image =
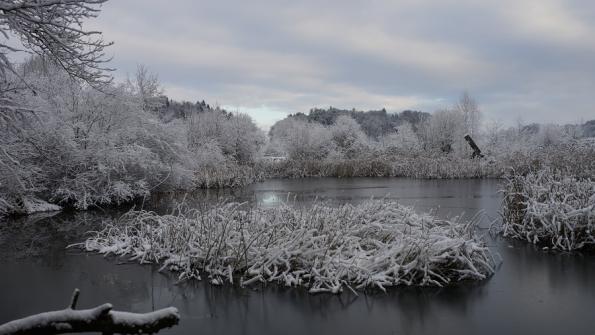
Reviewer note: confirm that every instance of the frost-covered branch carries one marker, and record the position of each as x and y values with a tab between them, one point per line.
100	319
55	29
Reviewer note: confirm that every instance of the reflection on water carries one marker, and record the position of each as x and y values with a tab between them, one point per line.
532	292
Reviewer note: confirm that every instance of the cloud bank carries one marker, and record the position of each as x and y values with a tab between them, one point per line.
527	59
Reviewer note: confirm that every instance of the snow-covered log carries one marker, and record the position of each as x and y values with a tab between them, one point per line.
99	319
35	205
376	244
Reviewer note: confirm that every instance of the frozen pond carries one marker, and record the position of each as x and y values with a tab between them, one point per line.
532	292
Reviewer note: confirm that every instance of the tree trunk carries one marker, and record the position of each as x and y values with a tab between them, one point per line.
476	152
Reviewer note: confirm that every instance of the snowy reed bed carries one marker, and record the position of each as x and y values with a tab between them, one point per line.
550	209
445	167
225	175
422	167
376	244
570	157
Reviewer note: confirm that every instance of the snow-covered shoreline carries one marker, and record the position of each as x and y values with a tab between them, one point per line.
376	244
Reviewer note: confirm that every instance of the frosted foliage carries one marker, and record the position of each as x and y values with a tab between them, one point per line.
303	140
403	140
550	209
348	137
444	131
376	244
235	135
59	35
86	147
549	135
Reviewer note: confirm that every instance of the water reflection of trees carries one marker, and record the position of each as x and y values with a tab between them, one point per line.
44	236
409	310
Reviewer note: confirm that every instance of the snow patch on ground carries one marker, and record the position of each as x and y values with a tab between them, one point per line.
34	205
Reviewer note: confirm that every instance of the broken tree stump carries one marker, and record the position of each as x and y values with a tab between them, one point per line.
476	150
101	319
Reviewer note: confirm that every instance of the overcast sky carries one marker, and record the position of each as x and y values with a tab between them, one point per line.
529	60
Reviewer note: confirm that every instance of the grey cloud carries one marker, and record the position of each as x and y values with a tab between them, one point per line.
530	59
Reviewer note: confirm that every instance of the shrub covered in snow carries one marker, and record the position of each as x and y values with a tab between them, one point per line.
79	147
326	249
551	209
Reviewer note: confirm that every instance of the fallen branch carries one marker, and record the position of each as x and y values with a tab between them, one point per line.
99	319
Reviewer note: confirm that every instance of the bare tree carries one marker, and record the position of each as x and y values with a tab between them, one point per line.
471	114
444	131
54	28
147	87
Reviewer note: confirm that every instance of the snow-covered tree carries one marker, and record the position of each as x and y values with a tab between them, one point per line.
402	141
146	87
302	140
54	29
550	134
469	109
236	135
348	137
444	131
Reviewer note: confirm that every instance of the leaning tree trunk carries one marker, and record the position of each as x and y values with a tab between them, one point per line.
476	152
100	319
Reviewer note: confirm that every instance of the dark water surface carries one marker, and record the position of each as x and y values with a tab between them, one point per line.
533	292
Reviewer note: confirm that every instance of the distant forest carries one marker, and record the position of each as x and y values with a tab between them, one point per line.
374	123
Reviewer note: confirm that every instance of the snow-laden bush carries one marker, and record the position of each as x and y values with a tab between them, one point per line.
375	244
236	136
402	141
347	137
302	140
550	209
82	147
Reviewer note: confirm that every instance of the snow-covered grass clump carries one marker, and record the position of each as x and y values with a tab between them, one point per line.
326	249
550	209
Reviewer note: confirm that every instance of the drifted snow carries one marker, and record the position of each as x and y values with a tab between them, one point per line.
136	320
